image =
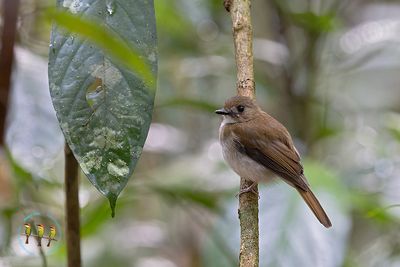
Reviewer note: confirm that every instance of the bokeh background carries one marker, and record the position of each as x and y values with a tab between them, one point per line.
328	70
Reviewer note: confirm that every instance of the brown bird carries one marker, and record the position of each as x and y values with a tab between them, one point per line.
259	148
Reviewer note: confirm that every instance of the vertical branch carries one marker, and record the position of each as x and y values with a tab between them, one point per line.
10	15
72	209
243	41
248	202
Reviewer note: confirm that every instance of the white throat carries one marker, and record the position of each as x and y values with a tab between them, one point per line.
227	120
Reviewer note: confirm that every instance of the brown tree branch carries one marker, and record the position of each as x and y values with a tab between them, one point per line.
248	202
10	15
72	210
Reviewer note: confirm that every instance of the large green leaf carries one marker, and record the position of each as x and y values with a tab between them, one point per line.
102	70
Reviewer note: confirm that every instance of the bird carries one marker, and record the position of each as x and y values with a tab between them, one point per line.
259	148
52	234
27	232
40	233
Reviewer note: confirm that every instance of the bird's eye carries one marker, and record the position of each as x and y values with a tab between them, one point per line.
240	108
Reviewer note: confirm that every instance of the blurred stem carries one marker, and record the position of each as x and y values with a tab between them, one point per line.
299	101
248	202
214	237
311	61
9	198
72	209
43	256
10	16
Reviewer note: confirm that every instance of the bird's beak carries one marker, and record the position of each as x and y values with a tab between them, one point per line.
222	111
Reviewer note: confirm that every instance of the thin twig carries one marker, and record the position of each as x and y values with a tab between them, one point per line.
248	202
72	210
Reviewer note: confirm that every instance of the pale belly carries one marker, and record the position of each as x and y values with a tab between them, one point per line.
243	165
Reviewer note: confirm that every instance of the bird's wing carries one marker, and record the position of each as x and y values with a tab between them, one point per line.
272	150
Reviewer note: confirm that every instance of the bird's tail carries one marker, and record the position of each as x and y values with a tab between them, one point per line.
39	242
314	205
48	244
27	239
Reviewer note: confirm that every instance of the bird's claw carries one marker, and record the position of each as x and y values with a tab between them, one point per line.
250	189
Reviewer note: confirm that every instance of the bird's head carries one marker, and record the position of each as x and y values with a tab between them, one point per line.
27	225
52	227
239	109
40	226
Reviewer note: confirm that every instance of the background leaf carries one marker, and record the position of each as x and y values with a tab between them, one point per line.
104	103
314	22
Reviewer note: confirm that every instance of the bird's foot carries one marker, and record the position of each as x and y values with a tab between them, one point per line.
251	189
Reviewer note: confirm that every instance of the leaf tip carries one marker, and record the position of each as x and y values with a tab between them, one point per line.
112	198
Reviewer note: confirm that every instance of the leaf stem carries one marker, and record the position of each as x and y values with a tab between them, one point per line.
72	210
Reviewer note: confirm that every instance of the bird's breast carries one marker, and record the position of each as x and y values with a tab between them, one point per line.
243	165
